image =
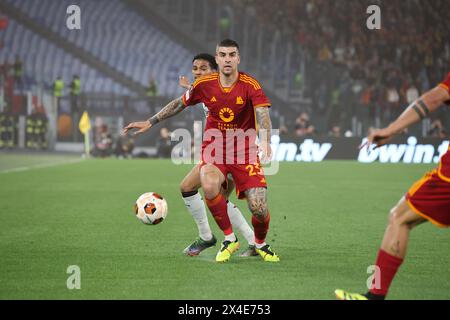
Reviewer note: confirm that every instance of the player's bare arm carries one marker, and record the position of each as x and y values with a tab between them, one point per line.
418	110
257	202
171	109
264	127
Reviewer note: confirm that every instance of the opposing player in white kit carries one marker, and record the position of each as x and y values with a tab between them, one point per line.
204	64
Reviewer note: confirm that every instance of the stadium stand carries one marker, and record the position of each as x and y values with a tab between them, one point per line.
119	37
347	71
43	62
313	56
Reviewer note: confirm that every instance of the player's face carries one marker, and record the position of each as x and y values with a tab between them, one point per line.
227	59
200	68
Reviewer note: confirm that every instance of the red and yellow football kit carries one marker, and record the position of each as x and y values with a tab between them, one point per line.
430	196
230	131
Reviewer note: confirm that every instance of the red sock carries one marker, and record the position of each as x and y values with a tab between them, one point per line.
260	228
388	265
218	208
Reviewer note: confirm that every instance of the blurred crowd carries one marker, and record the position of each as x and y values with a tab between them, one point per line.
352	70
123	146
353	76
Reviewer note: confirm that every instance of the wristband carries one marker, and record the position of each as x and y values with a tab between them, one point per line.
153	120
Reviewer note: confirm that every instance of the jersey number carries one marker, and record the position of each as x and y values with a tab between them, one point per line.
251	168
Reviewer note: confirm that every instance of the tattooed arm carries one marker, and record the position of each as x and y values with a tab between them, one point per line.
264	127
171	109
419	109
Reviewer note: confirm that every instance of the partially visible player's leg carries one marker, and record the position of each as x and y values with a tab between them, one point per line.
212	179
241	225
251	184
427	200
196	207
238	221
229	188
402	220
257	203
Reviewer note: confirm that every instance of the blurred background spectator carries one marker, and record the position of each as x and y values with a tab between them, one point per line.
124	147
303	126
437	130
7	128
58	87
152	90
164	144
103	142
335	132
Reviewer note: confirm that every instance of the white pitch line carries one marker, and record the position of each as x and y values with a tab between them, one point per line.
40	166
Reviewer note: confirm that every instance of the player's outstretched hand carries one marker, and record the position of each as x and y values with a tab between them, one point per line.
379	137
184	82
141	126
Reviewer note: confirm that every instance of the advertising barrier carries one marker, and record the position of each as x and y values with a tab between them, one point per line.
401	149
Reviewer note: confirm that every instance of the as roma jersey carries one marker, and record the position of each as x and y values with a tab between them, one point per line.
444	166
229	109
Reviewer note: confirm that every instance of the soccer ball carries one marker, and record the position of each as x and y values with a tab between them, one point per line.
150	208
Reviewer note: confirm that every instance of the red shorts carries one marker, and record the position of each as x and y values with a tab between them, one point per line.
430	198
245	176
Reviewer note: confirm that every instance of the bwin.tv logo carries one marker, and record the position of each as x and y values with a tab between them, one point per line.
411	152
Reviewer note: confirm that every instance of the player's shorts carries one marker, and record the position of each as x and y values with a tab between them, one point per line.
226	184
245	176
430	198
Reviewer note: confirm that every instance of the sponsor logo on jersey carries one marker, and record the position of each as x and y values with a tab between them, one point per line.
226	114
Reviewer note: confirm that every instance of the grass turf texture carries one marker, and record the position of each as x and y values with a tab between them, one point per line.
327	221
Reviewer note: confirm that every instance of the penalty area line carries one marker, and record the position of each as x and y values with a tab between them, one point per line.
41	166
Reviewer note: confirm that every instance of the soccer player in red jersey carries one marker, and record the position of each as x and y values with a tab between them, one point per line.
204	64
238	108
427	200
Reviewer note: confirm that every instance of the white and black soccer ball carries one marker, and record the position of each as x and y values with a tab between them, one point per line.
151	208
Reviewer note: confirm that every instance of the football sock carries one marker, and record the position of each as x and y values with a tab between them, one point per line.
260	245
196	207
230	237
240	224
369	295
388	265
261	228
218	208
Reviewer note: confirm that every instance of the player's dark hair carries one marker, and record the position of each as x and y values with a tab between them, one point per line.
207	57
227	43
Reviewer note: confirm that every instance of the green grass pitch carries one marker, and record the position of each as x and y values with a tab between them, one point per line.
327	223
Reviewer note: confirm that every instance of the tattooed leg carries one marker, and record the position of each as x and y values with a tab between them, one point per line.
257	203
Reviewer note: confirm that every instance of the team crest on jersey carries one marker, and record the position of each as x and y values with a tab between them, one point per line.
226	114
213	99
239	100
